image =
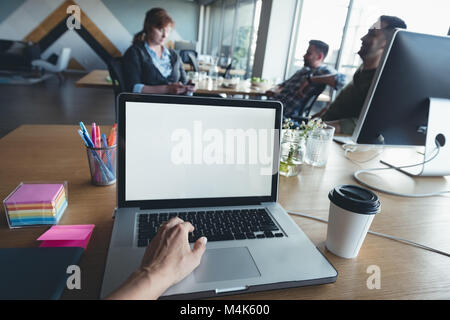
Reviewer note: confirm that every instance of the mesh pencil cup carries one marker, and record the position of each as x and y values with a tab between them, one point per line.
102	164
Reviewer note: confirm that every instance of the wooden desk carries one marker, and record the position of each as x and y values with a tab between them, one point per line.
97	79
33	153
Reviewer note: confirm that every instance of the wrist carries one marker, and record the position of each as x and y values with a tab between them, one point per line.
154	282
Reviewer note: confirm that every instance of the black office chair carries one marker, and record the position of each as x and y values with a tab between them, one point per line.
193	62
227	74
184	55
190	57
115	68
303	110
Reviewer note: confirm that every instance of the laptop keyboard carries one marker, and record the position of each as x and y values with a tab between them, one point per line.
219	225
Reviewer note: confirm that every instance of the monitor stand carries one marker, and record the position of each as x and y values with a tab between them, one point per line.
438	130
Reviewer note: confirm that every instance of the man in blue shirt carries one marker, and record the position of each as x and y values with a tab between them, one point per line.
295	92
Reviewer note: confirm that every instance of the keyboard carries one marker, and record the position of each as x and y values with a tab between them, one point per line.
218	225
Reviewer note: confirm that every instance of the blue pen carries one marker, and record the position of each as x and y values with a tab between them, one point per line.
105	144
86	135
108	155
88	139
83	128
82	137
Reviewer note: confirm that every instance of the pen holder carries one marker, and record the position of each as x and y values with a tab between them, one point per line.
102	164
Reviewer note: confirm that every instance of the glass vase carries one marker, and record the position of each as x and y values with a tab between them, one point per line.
292	152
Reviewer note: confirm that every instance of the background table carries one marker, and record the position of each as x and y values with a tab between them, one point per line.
55	153
98	79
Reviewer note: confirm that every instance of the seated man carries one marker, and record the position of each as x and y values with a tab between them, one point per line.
295	92
343	112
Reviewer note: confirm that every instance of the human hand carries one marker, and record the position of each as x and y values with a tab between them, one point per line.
169	254
167	260
190	87
273	91
176	88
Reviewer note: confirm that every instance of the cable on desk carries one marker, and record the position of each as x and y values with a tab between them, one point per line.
415	244
409	195
353	148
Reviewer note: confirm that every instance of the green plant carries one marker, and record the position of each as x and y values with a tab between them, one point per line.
298	133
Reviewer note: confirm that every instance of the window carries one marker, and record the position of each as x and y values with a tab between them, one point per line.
233	29
327	20
320	20
419	16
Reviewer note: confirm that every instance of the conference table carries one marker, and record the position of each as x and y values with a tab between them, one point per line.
55	153
100	79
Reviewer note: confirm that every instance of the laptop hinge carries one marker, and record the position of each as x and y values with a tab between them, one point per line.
208	206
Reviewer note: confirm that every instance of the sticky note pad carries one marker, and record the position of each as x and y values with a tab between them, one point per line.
67	236
36	204
35	193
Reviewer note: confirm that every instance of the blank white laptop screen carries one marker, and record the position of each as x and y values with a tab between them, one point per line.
192	152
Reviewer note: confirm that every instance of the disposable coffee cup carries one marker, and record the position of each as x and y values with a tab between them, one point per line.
352	209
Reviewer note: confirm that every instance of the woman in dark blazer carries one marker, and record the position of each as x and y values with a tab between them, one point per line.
149	67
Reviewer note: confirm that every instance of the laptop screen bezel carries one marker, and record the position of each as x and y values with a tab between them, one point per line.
198	202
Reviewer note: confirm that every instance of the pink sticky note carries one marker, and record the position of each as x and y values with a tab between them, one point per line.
67	236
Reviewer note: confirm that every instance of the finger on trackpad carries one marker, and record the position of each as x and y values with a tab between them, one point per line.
226	264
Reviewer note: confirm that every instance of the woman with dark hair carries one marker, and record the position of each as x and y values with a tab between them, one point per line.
149	67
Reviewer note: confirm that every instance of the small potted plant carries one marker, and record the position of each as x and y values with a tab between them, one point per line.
293	145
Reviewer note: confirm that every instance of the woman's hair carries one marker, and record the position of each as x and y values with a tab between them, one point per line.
154	18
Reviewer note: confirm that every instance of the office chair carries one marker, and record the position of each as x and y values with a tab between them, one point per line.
303	110
185	57
190	57
61	64
115	68
193	61
227	74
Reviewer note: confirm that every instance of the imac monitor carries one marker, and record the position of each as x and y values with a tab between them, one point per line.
408	103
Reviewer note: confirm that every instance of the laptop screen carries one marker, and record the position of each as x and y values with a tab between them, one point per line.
186	151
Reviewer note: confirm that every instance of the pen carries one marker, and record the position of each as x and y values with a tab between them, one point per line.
98	137
107	152
83	128
94	134
86	136
112	135
81	133
105	144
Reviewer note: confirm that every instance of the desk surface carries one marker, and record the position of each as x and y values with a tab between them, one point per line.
97	79
52	153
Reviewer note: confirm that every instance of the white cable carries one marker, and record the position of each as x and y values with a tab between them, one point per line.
349	148
415	244
409	195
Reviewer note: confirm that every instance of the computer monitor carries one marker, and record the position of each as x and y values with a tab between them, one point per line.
408	103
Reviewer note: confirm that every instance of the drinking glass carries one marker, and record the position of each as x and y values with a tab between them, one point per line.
318	146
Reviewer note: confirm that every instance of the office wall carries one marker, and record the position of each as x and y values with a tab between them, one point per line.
108	26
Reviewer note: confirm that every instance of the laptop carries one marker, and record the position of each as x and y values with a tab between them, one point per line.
213	162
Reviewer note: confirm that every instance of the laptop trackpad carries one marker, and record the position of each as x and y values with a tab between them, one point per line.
226	264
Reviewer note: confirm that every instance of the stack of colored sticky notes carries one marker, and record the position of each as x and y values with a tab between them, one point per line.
35	204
